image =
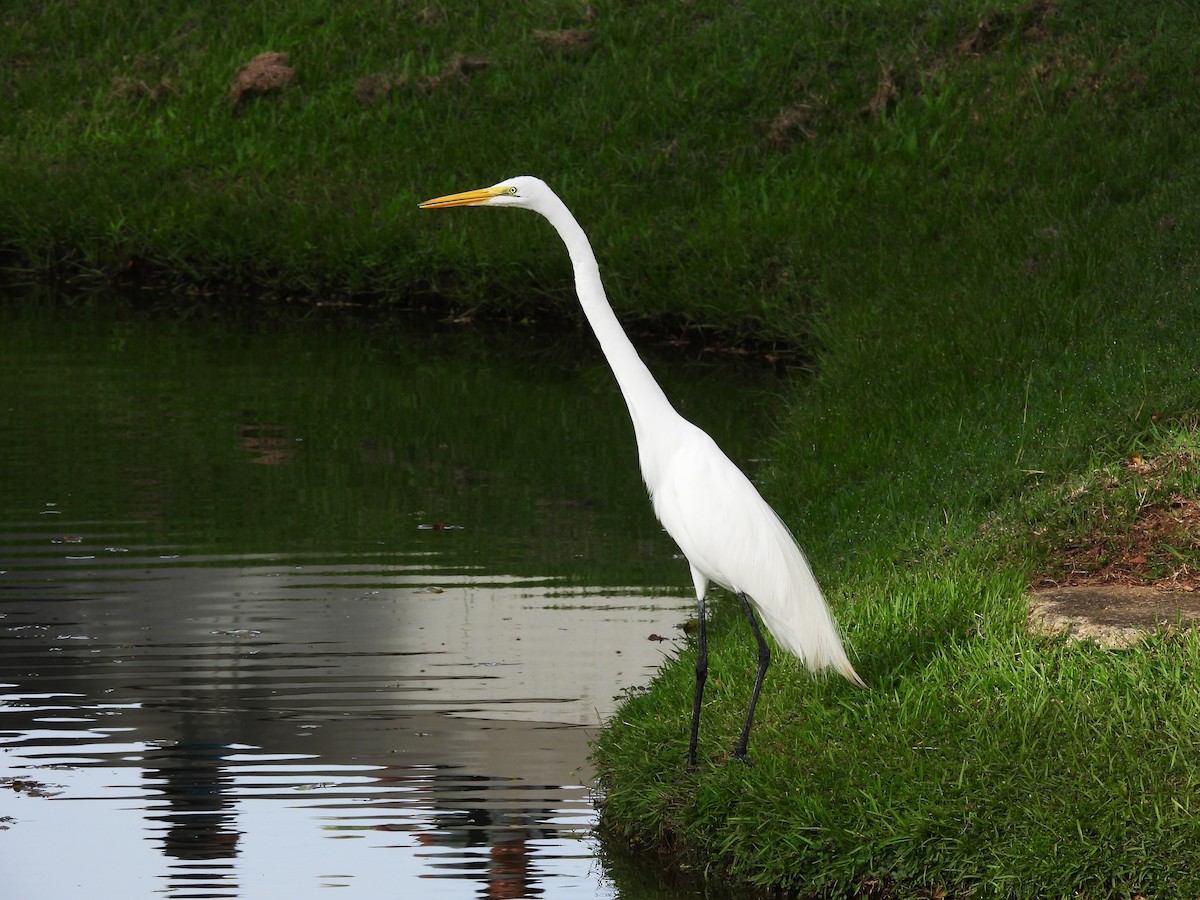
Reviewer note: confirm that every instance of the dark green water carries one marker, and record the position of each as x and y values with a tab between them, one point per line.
290	603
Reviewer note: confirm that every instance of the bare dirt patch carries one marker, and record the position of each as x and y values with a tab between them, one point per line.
456	71
1128	573
1113	615
794	122
1158	550
380	87
135	89
887	93
267	73
566	41
994	28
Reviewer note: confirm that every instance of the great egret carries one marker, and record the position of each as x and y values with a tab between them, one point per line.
726	530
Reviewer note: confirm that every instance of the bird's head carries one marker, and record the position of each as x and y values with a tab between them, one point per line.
524	190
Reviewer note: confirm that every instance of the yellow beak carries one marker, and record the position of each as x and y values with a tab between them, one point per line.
466	198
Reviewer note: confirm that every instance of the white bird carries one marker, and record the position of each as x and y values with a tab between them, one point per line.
727	532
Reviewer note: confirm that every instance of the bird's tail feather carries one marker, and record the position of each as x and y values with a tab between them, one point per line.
793	607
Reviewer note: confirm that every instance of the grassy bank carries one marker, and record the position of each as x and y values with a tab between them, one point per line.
740	167
985	761
1020	322
979	220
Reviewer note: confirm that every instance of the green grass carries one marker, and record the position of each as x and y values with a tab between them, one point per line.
984	761
1133	516
985	771
977	221
1011	133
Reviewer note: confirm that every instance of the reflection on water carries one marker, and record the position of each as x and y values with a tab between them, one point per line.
404	707
279	614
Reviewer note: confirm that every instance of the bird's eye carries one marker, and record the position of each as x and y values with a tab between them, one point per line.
512	190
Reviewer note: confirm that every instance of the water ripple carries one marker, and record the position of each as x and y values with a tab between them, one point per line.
381	721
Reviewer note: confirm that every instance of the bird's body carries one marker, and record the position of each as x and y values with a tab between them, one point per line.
728	533
732	538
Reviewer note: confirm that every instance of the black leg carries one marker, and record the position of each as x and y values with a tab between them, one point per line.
701	675
764	660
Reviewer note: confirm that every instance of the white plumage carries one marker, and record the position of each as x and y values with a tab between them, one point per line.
733	538
728	533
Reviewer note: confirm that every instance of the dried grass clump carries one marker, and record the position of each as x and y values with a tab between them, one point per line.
265	74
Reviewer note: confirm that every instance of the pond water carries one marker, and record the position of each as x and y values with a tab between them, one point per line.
290	603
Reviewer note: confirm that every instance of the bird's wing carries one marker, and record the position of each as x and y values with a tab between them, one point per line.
730	534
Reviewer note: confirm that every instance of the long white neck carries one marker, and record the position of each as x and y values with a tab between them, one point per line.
648	405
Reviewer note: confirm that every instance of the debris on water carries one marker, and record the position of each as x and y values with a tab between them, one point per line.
429	590
438	526
29	787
